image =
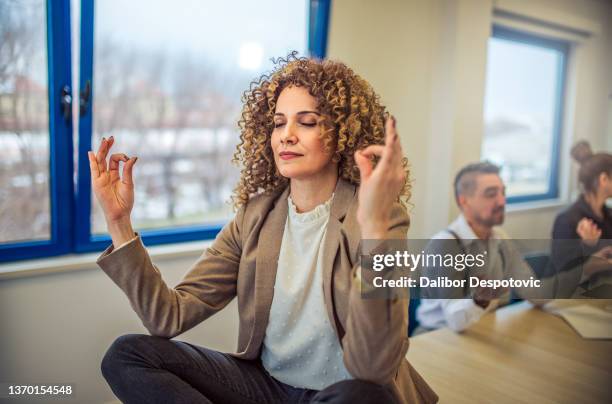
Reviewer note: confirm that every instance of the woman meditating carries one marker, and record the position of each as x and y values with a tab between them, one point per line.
321	169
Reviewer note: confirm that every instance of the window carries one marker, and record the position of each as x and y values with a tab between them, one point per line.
164	78
35	133
523	112
24	122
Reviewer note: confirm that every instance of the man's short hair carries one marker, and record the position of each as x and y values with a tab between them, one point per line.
465	180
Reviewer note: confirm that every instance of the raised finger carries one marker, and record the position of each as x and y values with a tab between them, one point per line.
390	134
105	146
113	166
393	148
390	131
93	164
396	145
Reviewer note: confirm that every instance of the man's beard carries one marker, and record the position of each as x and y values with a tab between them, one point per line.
495	219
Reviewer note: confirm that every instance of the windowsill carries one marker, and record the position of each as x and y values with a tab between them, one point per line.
535	205
74	262
77	262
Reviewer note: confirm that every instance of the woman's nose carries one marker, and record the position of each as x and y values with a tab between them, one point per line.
288	135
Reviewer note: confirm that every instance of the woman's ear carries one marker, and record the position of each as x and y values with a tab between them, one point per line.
605	183
603	179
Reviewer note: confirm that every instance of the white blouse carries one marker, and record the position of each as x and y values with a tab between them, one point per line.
301	348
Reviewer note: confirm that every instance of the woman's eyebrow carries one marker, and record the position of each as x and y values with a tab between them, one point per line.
299	113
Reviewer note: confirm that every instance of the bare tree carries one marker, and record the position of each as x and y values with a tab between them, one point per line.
24	196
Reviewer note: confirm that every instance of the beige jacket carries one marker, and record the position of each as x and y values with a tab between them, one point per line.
241	262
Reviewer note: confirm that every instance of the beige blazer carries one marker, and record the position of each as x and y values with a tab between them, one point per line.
242	261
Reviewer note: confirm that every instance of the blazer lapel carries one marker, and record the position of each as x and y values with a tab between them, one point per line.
343	196
266	263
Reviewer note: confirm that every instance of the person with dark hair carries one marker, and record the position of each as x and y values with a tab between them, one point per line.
588	219
480	195
322	169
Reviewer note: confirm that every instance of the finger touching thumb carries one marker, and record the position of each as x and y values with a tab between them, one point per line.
127	171
364	164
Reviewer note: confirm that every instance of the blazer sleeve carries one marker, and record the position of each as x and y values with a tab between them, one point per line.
208	286
376	337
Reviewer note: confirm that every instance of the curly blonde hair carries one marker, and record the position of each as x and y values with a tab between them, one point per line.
352	119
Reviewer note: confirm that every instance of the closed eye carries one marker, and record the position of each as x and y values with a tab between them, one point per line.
310	125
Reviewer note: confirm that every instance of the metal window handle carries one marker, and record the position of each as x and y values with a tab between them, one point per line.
66	103
84	98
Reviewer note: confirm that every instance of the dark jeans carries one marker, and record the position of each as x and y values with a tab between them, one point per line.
147	369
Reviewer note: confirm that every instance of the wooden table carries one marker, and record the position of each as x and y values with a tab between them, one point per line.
518	354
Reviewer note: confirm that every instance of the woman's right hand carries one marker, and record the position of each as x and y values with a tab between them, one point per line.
588	231
114	193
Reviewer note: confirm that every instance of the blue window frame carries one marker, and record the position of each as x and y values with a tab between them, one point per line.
317	27
525	89
71	200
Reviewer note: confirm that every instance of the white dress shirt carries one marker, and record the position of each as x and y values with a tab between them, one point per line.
459	314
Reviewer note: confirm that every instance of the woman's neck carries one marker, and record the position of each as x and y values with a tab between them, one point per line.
308	193
596	201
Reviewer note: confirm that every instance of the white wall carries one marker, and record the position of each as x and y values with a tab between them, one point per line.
56	328
427	59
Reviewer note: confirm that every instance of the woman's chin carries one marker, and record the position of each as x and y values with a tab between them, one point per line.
291	175
294	173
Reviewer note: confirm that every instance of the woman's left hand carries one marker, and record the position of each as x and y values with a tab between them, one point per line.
380	186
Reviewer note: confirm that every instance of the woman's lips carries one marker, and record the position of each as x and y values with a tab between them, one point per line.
289	155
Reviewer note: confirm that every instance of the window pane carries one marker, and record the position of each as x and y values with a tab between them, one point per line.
24	122
168	78
520	113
